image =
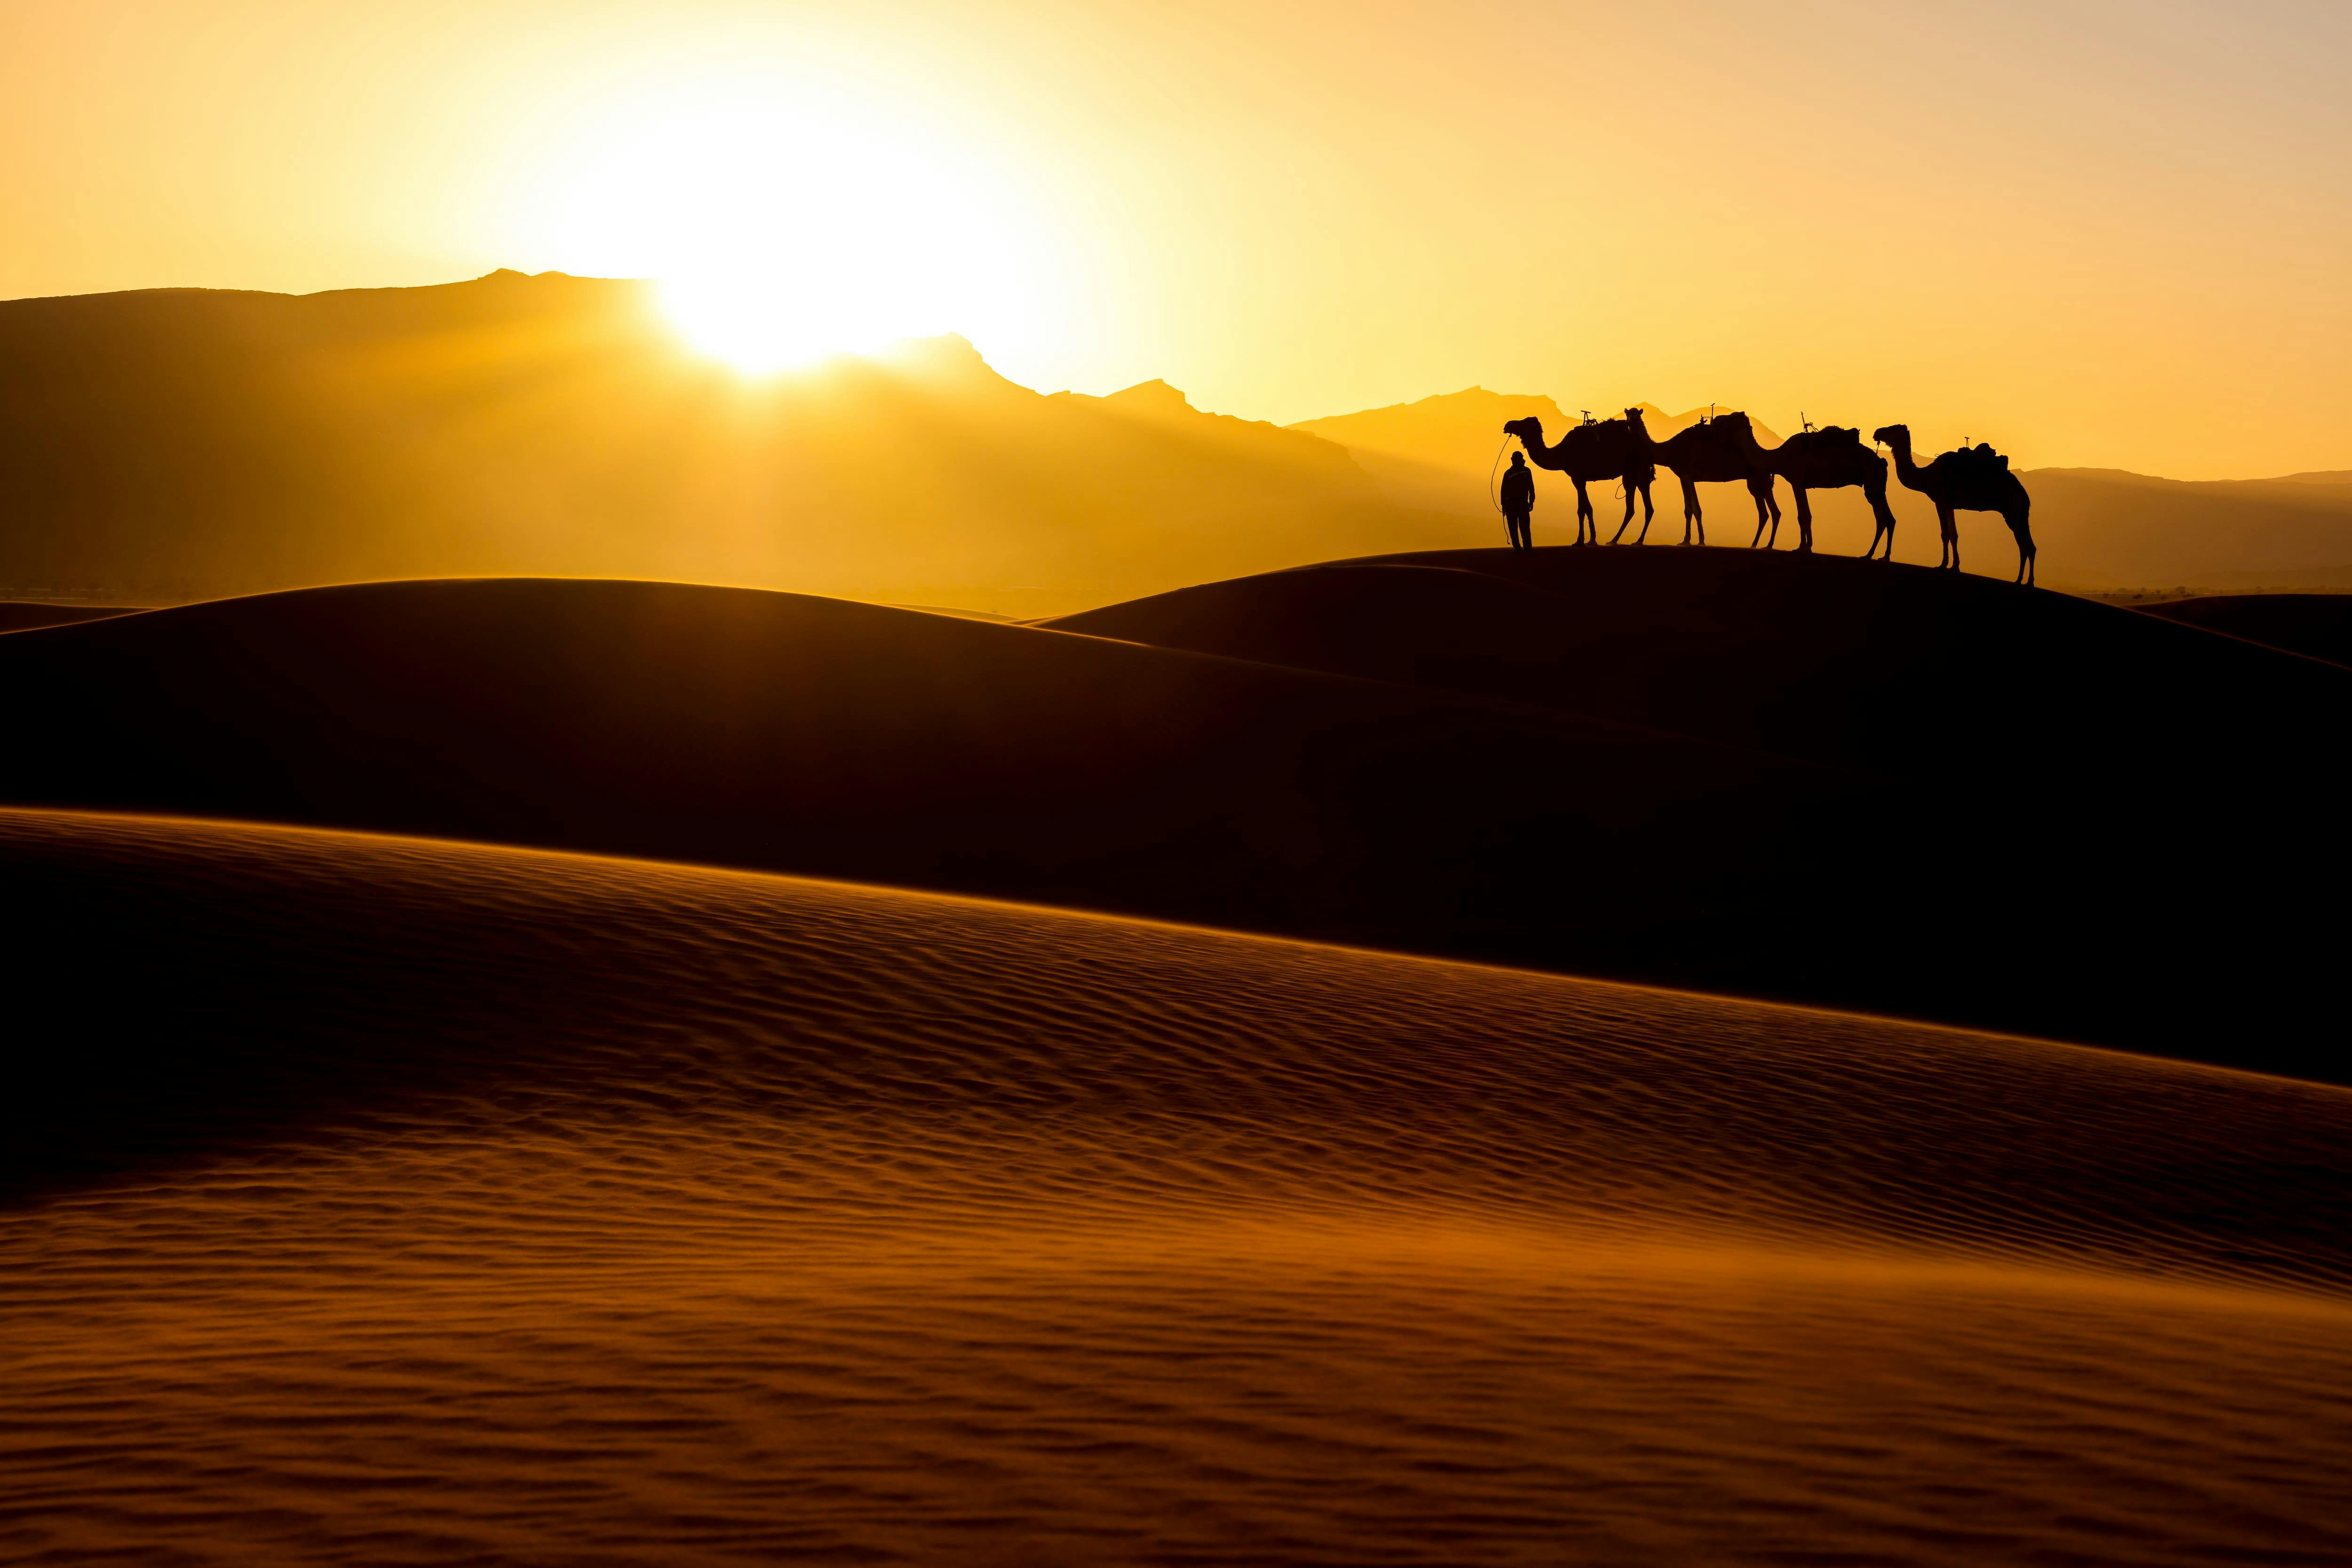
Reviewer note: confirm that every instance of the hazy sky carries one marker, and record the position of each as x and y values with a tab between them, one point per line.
2094	232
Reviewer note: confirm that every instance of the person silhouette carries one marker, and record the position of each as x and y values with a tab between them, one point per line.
1519	502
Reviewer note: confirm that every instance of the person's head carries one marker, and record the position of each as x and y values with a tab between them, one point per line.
1519	459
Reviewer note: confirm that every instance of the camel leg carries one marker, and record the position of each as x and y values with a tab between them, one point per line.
1950	526
1760	492
1587	531
1876	488
1690	510
2019	525
1628	522
1648	512
1804	521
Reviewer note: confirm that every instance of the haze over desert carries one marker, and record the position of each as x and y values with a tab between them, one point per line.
1093	785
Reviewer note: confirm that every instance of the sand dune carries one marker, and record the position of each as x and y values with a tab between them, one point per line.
438	1203
822	737
1896	669
2318	626
2044	744
819	735
23	615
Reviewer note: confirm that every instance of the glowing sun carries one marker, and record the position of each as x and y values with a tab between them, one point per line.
785	229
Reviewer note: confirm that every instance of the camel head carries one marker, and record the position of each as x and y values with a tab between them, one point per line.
1891	434
1529	431
1633	417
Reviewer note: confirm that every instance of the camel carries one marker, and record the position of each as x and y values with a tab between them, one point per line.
1825	459
1970	479
1596	449
1710	453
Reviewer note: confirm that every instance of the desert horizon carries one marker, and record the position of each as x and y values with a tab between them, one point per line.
1086	786
557	426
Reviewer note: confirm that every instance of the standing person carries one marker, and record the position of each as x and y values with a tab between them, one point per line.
1519	502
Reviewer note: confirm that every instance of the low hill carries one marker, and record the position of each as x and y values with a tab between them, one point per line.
2316	625
177	444
818	736
437	1202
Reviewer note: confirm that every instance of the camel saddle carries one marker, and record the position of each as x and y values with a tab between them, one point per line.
1981	461
1827	435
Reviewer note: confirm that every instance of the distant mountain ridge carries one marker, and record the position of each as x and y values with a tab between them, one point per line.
169	445
165	445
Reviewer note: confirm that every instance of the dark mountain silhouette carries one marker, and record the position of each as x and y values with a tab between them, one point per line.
1950	867
177	444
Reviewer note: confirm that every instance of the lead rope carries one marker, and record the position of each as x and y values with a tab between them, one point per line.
1493	498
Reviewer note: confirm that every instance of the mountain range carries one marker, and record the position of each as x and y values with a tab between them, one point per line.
169	445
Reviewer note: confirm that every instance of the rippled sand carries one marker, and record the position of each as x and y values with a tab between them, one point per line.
456	1205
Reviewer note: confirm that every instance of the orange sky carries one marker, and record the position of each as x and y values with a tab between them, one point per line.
2094	232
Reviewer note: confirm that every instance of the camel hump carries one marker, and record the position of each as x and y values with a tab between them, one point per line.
1824	438
1981	461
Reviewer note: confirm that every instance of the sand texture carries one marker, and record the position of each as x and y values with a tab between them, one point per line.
406	1202
1822	781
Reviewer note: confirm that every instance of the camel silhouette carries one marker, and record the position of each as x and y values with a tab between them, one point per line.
1710	452
1825	459
1973	478
1596	449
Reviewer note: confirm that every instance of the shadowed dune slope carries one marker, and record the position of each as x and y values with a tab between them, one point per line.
2318	626
1899	669
823	737
2043	744
2055	741
425	1202
24	614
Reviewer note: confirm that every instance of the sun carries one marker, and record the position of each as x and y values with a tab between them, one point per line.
768	315
784	227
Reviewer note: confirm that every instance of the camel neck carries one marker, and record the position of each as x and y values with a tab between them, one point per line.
1905	469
